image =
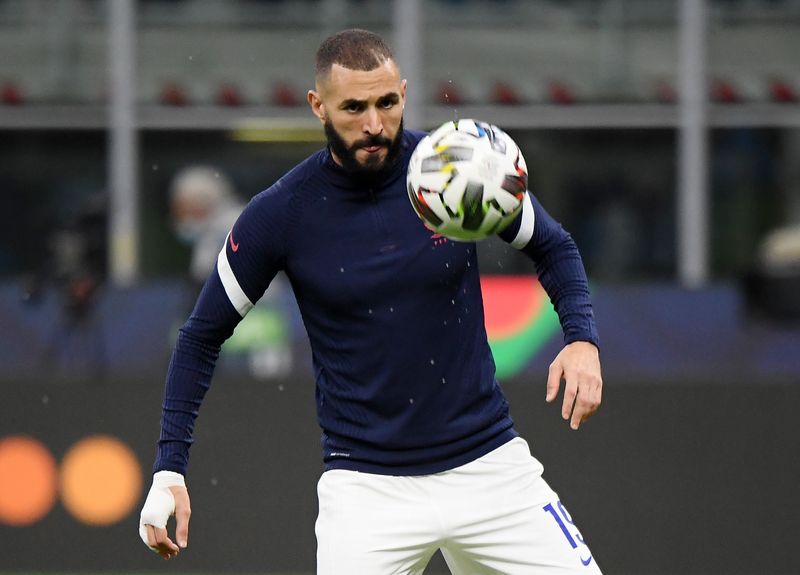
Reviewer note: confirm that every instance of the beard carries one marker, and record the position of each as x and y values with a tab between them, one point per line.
374	169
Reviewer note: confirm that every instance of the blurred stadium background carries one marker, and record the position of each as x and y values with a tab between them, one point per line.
665	134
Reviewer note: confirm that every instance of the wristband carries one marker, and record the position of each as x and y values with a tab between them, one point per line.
160	503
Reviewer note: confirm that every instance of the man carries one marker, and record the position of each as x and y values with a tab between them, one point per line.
420	452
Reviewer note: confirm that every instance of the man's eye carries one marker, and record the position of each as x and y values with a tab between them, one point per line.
353	107
387	104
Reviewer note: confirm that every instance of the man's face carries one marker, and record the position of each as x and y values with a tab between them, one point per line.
363	116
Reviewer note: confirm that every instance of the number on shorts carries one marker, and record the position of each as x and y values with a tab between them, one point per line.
551	510
560	517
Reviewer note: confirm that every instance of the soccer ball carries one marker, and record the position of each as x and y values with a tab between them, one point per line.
466	180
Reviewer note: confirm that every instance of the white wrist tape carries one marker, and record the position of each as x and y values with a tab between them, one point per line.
160	503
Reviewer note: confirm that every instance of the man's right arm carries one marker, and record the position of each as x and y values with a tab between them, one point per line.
247	263
188	378
252	255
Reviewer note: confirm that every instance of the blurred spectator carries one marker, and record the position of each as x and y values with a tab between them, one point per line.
203	208
75	267
76	260
772	286
780	250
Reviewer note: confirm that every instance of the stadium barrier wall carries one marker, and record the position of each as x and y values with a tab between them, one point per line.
667	478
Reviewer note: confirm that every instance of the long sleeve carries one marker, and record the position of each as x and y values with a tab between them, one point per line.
190	370
246	265
560	268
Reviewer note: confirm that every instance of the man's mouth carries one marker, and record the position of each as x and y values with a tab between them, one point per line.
372	149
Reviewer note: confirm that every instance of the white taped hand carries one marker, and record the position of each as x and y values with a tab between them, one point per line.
160	502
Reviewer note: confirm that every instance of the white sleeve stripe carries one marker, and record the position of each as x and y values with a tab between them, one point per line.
235	292
525	232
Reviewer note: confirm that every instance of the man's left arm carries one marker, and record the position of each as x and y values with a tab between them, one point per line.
563	277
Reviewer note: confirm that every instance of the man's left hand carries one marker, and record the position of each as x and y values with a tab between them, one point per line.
578	364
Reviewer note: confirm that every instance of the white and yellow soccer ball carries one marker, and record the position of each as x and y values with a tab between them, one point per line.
467	180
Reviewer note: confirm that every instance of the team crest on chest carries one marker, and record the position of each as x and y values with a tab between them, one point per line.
438	239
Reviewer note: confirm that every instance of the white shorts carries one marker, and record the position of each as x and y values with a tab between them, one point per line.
493	515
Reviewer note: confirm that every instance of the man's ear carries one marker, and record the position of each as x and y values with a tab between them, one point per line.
317	107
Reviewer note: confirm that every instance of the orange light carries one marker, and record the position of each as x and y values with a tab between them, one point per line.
27	480
101	480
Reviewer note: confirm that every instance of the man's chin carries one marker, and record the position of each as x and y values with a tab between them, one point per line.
370	172
372	160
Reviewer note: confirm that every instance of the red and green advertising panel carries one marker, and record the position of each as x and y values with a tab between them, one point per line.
519	320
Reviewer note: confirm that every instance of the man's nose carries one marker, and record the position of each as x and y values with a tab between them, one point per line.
372	122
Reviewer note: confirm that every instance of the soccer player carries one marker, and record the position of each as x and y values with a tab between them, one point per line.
420	452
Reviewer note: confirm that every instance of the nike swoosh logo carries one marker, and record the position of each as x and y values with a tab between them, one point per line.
234	245
586	561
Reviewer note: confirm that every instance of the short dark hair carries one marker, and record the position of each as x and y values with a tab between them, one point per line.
354	49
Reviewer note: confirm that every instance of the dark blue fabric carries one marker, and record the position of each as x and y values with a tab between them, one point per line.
405	380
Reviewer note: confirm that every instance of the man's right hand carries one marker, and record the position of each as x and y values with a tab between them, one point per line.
167	496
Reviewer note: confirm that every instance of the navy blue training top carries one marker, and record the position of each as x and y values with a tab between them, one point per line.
405	379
